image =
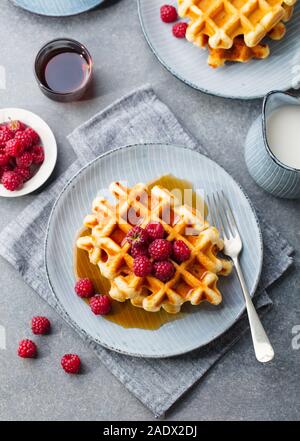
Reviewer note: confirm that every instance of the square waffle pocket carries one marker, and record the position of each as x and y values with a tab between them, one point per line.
194	280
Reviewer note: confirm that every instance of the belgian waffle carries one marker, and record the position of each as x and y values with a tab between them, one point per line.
195	280
223	20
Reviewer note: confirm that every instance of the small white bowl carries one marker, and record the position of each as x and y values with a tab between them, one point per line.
47	141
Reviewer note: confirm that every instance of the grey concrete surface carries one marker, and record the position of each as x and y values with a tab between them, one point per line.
237	388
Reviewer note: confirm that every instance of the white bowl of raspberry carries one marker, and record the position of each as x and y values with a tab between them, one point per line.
28	152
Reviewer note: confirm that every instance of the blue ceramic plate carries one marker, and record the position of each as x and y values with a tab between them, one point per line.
280	71
57	8
142	163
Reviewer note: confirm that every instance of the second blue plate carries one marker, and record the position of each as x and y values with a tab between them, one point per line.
57	8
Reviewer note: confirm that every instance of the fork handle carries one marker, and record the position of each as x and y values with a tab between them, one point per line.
262	346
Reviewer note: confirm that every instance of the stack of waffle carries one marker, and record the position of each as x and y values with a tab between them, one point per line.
233	30
194	281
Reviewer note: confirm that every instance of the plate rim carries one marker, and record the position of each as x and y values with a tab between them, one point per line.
25	192
189	83
83	331
17	4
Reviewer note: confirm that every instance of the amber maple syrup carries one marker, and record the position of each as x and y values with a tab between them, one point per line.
124	314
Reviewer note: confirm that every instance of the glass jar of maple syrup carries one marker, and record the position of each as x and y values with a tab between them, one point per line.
63	69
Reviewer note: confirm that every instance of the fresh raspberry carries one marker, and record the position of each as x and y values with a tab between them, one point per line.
179	29
139	250
100	305
5	135
27	349
181	251
34	137
11	180
164	271
15	125
14	147
40	325
160	249
70	363
142	266
24	138
38	154
168	13
24	172
155	230
25	160
137	235
4	169
84	288
4	159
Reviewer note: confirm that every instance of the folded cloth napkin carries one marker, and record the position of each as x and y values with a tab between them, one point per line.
139	117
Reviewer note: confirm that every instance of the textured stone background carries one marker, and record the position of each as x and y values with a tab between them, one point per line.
237	387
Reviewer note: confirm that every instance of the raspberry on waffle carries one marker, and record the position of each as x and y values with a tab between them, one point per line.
223	20
194	280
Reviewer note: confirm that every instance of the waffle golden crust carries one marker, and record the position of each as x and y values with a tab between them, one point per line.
223	20
195	280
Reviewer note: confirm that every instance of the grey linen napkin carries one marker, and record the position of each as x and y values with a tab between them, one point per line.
138	117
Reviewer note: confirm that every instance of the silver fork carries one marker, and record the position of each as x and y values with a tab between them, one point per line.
222	216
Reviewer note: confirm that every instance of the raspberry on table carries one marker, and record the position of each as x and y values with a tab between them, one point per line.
168	13
181	251
33	135
142	266
27	349
70	363
25	160
24	172
40	325
24	138
155	230
5	135
164	270
179	29
137	235
139	250
4	159
160	249
100	304
11	180
15	125
84	288
38	154
14	147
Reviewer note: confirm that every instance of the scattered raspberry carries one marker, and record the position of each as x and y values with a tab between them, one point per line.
179	29
181	251
70	363
40	325
11	180
4	159
139	250
27	349
155	230
164	271
24	172
84	288
24	138
142	266
15	125
38	154
25	160
100	305
34	137
14	147
5	135
168	13
160	249
137	235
